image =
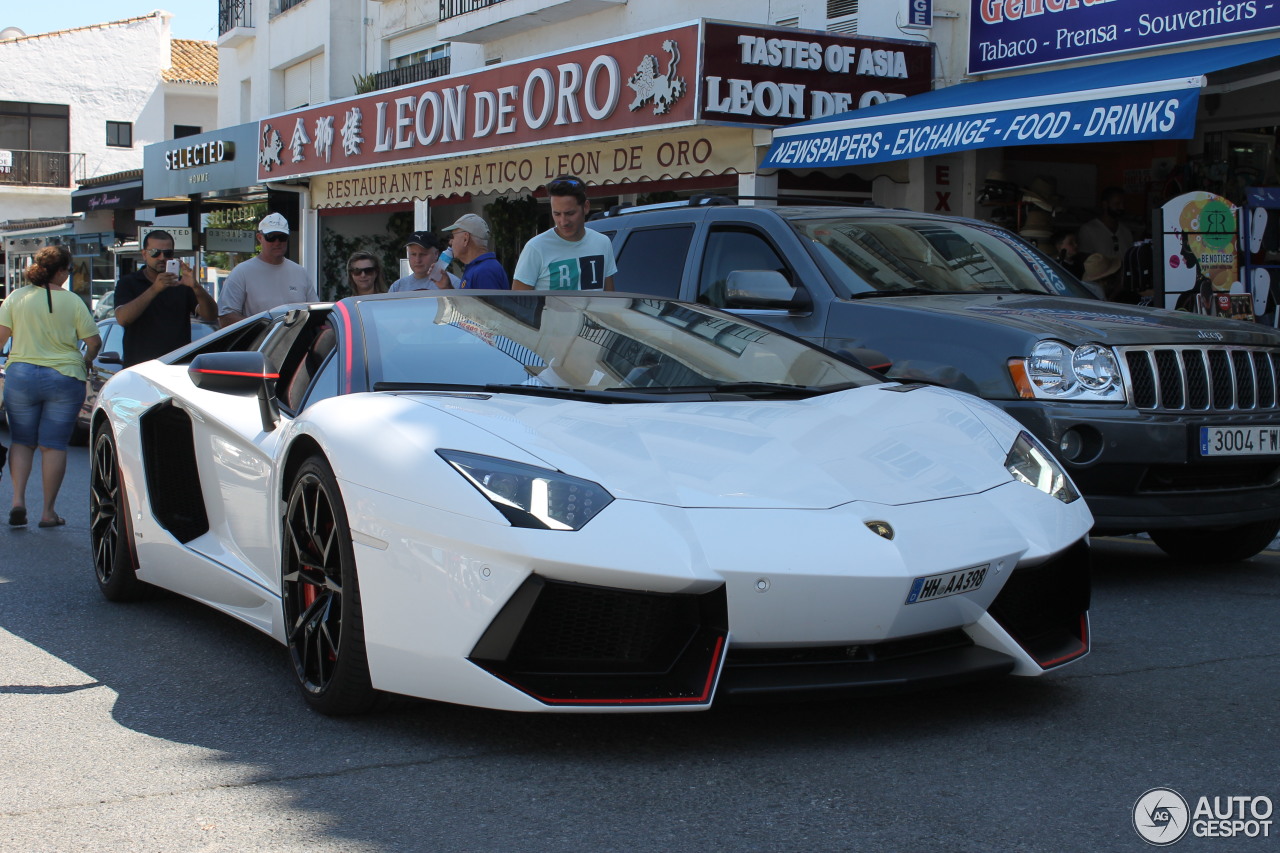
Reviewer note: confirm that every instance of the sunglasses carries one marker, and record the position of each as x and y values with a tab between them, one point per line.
275	238
564	182
363	270
158	253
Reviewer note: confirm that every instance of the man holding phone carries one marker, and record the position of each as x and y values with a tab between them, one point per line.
155	303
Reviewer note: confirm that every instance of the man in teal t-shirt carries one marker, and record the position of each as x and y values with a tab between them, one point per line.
569	256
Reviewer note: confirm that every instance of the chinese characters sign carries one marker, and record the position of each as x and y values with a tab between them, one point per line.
630	84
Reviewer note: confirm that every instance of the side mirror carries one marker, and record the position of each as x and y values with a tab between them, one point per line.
763	289
243	374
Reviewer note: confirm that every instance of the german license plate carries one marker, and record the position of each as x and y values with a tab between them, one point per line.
930	587
1252	440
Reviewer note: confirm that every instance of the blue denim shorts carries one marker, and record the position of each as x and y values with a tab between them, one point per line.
42	405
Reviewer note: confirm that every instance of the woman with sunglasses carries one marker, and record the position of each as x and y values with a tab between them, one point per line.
364	275
45	376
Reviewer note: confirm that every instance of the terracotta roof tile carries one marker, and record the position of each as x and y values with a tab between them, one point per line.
193	62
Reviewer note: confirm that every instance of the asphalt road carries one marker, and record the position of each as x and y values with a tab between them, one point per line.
163	726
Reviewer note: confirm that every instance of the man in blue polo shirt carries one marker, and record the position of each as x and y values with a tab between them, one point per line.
469	241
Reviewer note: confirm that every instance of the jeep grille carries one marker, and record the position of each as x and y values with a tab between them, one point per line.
1222	378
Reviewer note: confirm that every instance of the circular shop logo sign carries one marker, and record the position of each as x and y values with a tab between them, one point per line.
1161	817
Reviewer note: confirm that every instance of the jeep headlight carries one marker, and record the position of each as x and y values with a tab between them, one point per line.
1058	371
1030	463
529	496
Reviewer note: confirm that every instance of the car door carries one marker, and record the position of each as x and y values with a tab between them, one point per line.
651	260
238	457
735	252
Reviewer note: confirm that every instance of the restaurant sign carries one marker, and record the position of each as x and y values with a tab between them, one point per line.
771	76
613	87
674	153
702	71
1016	33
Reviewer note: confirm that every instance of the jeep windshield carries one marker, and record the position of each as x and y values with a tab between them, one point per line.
887	255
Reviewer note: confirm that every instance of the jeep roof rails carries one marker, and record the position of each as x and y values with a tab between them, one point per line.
716	200
697	200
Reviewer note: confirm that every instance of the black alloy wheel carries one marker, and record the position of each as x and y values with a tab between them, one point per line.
109	530
324	625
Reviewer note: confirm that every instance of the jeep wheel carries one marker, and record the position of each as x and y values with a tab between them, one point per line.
1217	544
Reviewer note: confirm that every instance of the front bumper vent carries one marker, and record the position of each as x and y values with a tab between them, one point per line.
579	644
1045	608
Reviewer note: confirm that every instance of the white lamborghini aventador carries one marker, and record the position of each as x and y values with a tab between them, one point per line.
582	502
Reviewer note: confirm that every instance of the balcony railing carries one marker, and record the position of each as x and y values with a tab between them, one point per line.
234	13
453	8
40	168
415	73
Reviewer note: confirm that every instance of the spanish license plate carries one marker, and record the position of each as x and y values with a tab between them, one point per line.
1253	440
930	587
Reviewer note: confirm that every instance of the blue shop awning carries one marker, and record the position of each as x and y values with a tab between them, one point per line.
1151	98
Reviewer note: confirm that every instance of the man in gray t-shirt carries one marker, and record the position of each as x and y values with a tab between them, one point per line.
423	250
266	281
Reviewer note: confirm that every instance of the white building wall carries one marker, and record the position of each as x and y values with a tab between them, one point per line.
252	59
354	37
109	72
194	106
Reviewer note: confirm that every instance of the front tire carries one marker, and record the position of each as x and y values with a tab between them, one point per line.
1218	544
110	533
324	623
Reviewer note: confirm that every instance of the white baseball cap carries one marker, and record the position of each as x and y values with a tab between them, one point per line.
273	223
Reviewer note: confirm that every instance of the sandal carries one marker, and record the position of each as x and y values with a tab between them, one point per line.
58	521
18	516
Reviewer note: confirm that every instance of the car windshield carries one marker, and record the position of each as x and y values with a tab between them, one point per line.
887	255
628	346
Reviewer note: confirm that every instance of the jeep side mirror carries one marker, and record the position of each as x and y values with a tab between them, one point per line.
764	289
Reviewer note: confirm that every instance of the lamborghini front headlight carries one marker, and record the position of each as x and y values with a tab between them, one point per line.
530	496
1030	463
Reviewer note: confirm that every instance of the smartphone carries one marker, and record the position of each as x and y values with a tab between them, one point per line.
173	267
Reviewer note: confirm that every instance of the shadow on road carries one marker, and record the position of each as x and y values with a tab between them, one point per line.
421	776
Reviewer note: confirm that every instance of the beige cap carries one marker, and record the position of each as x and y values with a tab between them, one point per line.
472	224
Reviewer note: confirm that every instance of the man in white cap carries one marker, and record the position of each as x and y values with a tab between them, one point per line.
469	243
267	280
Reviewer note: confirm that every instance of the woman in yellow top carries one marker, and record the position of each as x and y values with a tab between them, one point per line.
45	376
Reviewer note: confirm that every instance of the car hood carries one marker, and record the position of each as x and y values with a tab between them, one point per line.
869	444
1080	321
